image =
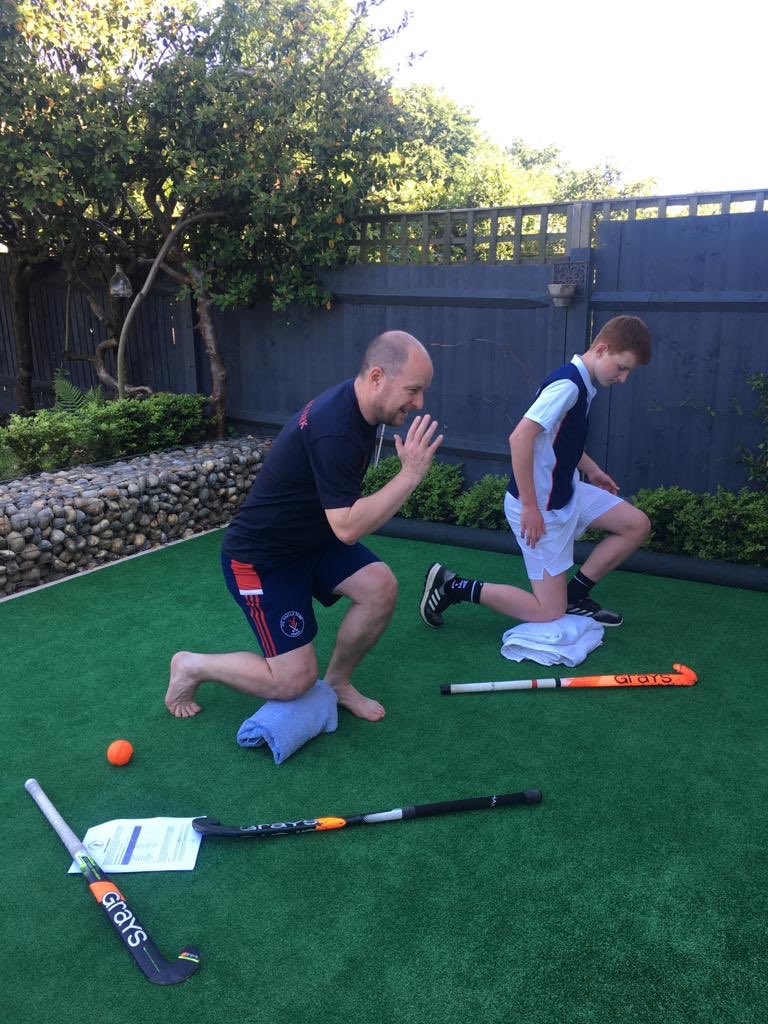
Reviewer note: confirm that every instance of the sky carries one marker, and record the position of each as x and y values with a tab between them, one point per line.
672	90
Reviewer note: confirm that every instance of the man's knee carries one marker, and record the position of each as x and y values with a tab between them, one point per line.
292	678
295	686
388	592
380	590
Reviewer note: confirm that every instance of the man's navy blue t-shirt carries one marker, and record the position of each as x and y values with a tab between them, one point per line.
317	461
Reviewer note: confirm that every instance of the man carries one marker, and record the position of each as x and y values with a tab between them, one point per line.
548	506
297	536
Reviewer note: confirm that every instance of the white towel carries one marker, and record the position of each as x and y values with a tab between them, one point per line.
564	641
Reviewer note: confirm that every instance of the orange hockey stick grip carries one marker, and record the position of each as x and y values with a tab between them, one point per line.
323	824
100	889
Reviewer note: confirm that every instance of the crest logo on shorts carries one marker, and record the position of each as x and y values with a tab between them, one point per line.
292	624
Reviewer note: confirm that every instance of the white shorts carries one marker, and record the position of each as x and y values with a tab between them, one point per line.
554	549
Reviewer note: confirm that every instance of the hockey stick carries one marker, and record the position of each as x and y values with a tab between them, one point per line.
213	827
112	902
686	677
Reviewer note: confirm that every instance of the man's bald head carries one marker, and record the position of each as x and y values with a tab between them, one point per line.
390	351
395	372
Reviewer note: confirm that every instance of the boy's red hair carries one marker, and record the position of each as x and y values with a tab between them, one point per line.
626	334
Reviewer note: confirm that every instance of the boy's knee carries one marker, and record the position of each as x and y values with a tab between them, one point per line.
550	609
641	525
553	611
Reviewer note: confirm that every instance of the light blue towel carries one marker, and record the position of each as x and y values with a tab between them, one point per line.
286	725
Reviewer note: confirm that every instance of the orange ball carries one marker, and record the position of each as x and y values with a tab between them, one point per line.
119	752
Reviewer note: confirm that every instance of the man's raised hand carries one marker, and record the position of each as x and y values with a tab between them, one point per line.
417	450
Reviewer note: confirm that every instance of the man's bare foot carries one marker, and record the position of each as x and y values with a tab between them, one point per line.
182	686
354	701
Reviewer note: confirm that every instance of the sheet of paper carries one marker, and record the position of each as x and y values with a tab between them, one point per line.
142	844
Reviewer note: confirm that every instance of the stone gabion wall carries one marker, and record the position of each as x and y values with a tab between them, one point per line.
56	524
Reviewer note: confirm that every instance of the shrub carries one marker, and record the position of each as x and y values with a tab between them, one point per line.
731	527
171	419
726	526
379	475
670	510
7	461
99	432
433	500
482	505
42	441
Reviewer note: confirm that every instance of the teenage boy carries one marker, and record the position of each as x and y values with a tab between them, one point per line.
548	506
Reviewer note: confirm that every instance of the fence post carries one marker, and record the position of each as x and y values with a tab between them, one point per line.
184	331
579	227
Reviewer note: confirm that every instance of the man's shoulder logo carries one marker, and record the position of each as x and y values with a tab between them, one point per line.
304	417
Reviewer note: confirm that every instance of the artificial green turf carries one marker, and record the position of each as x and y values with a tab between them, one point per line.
636	891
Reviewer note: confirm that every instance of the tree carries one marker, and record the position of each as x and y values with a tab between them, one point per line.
276	119
446	162
67	139
261	128
20	227
570	184
439	137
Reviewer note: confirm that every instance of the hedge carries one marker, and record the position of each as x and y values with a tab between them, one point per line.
100	432
725	526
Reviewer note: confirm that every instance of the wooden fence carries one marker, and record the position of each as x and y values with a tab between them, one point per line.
694	267
64	329
523	234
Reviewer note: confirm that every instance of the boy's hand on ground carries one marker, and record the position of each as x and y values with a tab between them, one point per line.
417	450
531	525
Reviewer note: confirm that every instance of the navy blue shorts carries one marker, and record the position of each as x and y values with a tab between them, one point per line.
277	597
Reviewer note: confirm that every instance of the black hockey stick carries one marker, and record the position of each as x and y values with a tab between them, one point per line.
108	896
213	827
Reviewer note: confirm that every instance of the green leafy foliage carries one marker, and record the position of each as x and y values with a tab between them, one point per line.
276	116
56	439
69	73
69	397
447	162
433	500
669	509
7	461
725	526
273	120
482	505
378	476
